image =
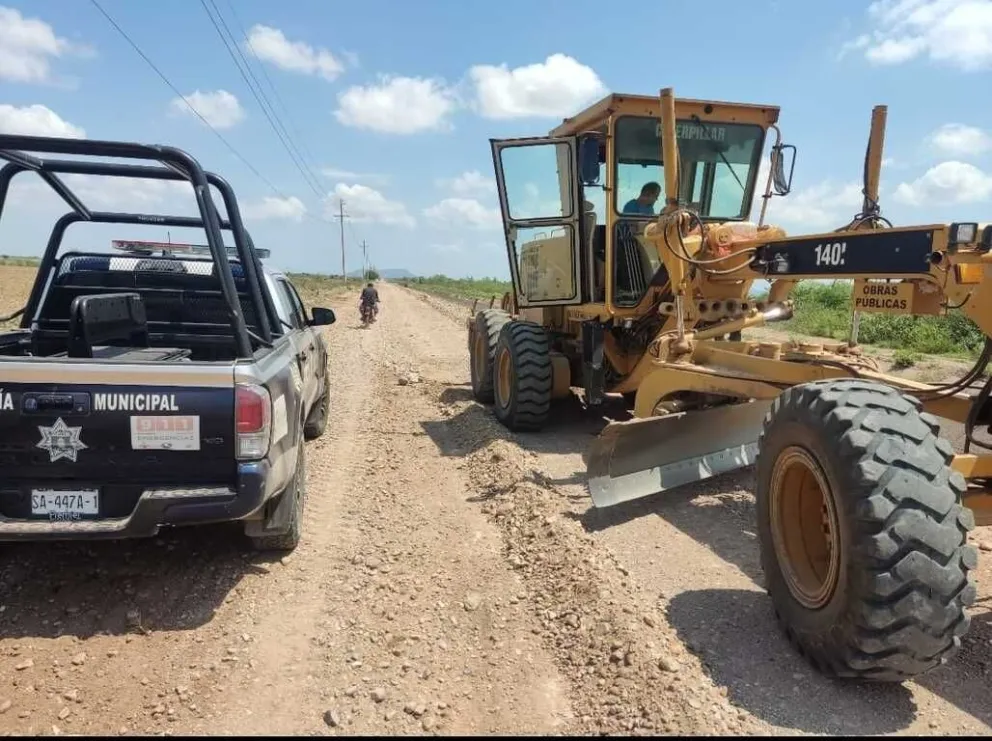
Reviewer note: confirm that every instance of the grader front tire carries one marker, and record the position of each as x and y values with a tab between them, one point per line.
862	531
482	351
523	376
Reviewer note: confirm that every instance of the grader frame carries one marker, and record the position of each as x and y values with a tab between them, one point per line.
863	509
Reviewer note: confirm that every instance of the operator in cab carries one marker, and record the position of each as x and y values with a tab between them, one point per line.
644	203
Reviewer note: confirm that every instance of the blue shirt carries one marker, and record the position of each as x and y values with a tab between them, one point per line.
633	206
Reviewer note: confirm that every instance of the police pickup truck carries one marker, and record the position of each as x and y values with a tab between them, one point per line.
159	384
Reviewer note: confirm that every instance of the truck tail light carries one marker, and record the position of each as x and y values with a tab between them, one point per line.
252	421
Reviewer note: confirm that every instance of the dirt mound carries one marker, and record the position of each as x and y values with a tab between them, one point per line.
630	673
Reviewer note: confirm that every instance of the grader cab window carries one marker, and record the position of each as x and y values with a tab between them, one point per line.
719	161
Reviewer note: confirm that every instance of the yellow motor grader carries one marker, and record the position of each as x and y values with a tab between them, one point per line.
633	263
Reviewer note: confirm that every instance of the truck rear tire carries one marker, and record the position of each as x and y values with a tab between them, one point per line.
289	539
862	531
317	423
482	351
523	376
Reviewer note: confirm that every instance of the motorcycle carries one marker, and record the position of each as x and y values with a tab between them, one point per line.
368	311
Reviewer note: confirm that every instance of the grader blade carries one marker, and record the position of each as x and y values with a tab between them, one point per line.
635	459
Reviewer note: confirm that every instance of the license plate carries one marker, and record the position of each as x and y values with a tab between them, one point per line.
63	504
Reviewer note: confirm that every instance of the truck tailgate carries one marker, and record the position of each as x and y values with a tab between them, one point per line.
91	449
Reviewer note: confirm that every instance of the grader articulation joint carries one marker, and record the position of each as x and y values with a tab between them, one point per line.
863	509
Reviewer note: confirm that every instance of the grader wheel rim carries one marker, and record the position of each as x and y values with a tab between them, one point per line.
504	375
805	528
480	354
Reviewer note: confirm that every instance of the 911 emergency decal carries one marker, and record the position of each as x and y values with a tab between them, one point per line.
61	441
165	433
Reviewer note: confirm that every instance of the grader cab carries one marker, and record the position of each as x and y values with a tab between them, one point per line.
863	509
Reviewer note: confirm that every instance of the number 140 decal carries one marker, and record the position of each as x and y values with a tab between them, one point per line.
830	253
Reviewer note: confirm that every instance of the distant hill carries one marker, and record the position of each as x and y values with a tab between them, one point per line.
386	273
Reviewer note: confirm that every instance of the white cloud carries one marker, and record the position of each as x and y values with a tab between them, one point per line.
463	211
36	120
102	193
957	33
469	183
960	140
397	105
271	45
220	108
856	44
823	206
362	203
27	47
948	183
554	88
272	207
133	193
371	177
826	205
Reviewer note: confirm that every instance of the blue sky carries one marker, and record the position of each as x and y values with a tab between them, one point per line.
392	104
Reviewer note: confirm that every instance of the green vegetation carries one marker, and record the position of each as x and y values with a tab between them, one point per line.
824	310
20	262
465	288
903	358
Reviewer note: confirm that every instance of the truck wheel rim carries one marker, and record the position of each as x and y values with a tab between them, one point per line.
504	370
805	529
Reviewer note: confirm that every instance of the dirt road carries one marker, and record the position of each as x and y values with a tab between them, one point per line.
453	579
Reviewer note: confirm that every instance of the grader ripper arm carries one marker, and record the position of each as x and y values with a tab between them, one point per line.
863	509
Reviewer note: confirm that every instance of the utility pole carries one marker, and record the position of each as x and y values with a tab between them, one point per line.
365	258
342	216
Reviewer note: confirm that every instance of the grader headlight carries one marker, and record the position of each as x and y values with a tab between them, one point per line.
964	233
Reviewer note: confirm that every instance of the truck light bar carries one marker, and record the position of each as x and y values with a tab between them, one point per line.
147	247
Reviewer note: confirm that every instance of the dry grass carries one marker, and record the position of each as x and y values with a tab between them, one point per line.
15	285
16	280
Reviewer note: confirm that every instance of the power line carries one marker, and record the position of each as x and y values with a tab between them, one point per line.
272	87
195	112
285	140
174	89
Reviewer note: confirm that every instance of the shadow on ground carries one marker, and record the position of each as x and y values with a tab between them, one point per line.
733	630
175	581
719	517
966	679
733	633
728	628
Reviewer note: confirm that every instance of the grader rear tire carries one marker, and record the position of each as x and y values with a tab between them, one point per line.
482	351
524	376
862	531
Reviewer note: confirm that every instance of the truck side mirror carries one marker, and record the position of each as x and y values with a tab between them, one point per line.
589	160
322	317
781	183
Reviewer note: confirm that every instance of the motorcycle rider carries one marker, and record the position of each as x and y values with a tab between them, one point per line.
370	297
